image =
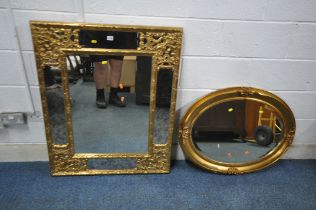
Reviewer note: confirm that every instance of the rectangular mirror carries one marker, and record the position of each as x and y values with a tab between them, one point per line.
108	94
112	129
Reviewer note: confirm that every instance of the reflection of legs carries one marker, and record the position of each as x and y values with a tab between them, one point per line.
99	75
99	79
116	71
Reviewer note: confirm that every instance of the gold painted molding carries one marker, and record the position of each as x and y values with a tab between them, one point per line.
54	40
235	93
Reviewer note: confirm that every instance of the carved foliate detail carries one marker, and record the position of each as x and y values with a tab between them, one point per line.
159	160
168	45
290	136
49	40
246	92
63	162
184	134
233	171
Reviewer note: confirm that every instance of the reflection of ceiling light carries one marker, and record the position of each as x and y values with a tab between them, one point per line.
230	109
280	129
121	86
247	152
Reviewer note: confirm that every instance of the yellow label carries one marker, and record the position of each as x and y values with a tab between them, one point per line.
104	62
93	41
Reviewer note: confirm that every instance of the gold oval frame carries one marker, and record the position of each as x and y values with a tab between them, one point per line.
235	93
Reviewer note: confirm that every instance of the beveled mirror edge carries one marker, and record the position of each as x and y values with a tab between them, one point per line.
63	160
202	161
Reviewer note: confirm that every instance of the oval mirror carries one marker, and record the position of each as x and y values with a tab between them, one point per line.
237	130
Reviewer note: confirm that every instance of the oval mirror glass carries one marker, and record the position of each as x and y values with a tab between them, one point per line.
237	131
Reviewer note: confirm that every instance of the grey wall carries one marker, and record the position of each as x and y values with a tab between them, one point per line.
269	44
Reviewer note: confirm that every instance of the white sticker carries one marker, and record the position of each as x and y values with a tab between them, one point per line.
110	38
10	117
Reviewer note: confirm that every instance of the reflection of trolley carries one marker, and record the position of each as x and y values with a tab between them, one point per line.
268	128
249	121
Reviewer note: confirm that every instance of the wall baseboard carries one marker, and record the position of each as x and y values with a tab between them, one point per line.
303	151
23	152
294	152
38	152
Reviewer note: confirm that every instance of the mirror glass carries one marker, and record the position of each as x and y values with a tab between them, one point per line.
109	114
237	131
55	104
112	163
163	98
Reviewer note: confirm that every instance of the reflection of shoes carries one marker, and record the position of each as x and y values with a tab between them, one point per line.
54	86
100	102
115	100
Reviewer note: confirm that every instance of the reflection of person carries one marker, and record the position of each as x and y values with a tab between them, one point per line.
116	63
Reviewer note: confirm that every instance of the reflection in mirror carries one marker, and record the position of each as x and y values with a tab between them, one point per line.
112	163
106	115
163	98
237	131
55	104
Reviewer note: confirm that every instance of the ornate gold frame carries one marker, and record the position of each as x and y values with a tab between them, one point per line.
235	93
54	40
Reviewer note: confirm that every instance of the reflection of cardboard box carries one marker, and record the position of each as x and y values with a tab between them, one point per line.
128	73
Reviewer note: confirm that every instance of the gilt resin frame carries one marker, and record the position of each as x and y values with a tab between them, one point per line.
228	94
52	41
